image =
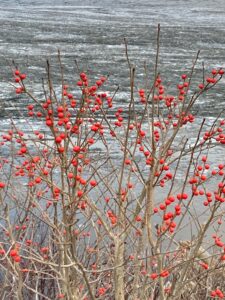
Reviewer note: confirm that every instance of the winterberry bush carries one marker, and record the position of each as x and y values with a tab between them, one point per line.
92	206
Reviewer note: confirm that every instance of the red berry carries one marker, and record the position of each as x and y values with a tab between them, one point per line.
2	251
2	185
23	150
201	86
23	76
58	139
213	294
162	206
76	149
70	175
79	193
153	276
13	253
93	183
138	218
17	259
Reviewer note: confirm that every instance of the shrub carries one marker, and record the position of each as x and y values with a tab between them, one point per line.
91	206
